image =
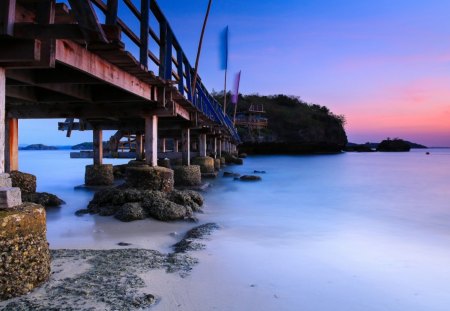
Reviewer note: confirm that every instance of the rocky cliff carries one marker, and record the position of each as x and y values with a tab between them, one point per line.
294	126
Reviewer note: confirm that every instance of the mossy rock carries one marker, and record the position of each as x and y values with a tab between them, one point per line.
187	176
99	175
25	256
217	164
26	182
150	178
206	164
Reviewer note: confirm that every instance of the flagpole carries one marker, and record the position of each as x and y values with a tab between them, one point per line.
225	94
237	98
194	81
225	64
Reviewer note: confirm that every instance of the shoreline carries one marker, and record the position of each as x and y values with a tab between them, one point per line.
121	278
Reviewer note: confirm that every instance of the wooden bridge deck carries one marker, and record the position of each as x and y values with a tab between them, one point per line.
60	61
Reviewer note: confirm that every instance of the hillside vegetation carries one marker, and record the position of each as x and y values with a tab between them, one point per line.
294	126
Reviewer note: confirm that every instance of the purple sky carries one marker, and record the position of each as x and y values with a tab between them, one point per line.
385	65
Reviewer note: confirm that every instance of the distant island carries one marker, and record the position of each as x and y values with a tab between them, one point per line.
89	146
387	145
38	147
281	124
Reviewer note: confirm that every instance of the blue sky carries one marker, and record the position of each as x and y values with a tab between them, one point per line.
384	64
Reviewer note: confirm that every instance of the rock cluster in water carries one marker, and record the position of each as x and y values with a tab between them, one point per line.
27	184
129	204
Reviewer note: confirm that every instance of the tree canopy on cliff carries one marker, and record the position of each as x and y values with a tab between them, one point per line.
291	120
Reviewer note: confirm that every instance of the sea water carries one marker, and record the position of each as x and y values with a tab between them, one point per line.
353	231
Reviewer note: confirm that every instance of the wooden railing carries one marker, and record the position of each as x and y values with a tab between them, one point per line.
171	63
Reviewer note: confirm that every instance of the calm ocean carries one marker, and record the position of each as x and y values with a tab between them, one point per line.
355	231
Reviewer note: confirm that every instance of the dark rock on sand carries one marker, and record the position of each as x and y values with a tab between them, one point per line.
130	211
250	178
187	198
42	198
259	172
165	210
188	243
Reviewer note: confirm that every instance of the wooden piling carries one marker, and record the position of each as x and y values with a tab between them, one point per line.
139	147
151	140
98	146
186	146
12	145
2	118
202	145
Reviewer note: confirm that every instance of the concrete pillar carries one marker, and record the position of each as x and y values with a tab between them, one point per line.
186	146
12	145
215	147
139	147
163	144
9	196
175	145
202	145
151	140
2	118
220	147
98	147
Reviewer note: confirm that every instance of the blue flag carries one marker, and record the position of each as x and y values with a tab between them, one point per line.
224	49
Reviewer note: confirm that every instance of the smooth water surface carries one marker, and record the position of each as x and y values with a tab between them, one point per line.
355	231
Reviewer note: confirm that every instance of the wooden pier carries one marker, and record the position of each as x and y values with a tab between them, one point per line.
83	62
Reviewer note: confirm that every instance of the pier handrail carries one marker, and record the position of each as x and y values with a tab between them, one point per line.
172	63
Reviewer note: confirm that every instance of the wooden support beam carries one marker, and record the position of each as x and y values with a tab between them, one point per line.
2	118
12	145
151	140
77	57
87	19
20	51
180	70
26	93
145	24
215	147
220	148
111	13
50	31
139	147
7	17
67	109
98	146
186	146
165	51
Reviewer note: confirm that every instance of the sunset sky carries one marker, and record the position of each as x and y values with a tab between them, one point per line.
383	64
